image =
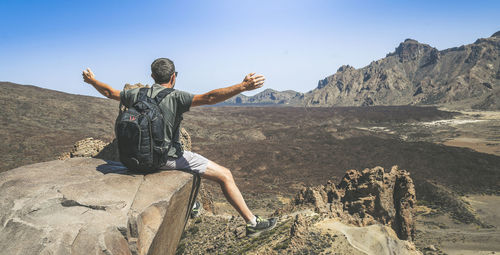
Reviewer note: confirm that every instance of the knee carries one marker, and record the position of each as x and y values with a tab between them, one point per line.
226	176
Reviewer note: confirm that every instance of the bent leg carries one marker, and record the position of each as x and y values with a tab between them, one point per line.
225	179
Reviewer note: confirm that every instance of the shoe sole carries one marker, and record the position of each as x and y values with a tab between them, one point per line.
256	234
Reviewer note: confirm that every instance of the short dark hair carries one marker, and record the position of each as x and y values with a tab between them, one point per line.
162	69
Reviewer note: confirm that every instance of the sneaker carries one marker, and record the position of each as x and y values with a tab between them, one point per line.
263	225
196	209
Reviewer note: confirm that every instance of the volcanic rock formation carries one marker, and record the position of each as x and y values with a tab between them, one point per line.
367	197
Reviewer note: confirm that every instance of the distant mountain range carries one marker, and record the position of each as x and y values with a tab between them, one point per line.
414	74
268	96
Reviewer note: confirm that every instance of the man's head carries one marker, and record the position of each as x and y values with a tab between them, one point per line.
162	70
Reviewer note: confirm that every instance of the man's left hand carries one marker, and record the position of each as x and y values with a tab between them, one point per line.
253	81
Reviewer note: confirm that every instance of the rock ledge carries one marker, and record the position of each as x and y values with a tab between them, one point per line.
92	206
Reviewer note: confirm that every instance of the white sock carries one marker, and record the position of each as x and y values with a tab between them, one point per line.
253	221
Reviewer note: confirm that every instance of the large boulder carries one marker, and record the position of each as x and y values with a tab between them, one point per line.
92	206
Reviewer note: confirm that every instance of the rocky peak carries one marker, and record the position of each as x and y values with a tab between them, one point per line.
346	68
322	83
269	91
497	34
409	40
410	50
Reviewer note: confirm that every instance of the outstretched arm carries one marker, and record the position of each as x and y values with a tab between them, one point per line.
250	82
103	88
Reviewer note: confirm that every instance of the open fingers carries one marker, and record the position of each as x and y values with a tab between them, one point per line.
87	75
90	72
261	78
258	82
255	81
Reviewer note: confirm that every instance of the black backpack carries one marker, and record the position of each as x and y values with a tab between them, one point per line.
140	132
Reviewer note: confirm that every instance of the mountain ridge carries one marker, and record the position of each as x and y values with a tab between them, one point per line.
413	74
268	96
417	74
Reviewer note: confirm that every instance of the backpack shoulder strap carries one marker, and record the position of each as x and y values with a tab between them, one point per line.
162	94
143	93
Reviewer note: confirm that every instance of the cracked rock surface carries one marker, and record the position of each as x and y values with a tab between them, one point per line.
91	206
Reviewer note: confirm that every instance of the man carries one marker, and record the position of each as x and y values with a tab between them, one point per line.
173	106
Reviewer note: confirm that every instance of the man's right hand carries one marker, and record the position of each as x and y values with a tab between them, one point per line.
103	88
88	76
253	81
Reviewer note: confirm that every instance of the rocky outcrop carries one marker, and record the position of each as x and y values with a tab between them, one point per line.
417	73
133	86
91	147
367	197
92	206
367	212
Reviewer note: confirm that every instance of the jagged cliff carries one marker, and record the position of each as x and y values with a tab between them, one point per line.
417	73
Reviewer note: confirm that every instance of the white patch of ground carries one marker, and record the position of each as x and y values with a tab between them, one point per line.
450	122
373	239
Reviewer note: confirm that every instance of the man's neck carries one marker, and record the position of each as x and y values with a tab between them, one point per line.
167	85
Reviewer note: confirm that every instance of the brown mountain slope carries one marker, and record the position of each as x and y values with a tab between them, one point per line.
39	124
417	73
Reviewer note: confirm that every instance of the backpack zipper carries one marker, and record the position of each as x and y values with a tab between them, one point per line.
151	140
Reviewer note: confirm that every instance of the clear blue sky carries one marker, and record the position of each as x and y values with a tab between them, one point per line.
215	43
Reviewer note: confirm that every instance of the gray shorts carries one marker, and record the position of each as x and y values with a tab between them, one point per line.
189	162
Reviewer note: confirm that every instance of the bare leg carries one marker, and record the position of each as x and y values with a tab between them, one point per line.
225	179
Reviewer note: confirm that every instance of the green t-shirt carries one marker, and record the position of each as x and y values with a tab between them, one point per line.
173	106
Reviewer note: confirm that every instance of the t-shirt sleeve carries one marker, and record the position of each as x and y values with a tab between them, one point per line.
184	100
127	97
